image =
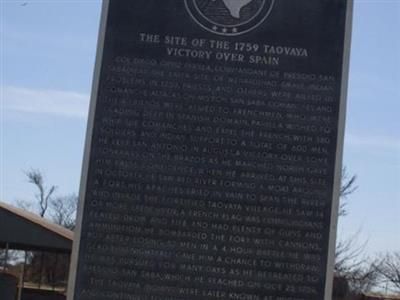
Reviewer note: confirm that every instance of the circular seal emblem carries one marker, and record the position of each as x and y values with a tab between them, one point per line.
229	17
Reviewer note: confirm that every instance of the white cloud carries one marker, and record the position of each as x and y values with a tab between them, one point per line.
52	102
380	142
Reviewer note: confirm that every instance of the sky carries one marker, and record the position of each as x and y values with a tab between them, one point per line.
47	60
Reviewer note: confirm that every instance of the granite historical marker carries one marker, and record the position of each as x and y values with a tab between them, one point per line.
213	151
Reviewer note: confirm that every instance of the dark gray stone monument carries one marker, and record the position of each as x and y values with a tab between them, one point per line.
213	151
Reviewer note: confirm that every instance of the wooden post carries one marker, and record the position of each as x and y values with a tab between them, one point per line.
6	257
55	272
21	279
40	269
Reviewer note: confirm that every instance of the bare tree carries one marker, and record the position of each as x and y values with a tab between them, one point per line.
348	187
60	209
389	269
363	278
25	205
44	194
349	255
351	264
63	210
348	252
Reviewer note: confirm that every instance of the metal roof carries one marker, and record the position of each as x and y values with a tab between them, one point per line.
23	230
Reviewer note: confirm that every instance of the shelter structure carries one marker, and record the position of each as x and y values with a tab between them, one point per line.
27	232
380	297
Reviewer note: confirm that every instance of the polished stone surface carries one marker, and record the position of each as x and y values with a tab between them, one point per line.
213	151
